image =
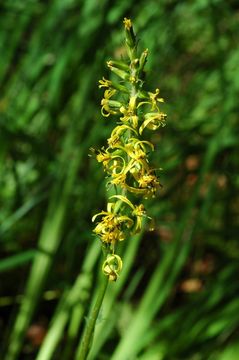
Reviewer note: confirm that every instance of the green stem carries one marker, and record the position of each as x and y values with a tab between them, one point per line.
90	325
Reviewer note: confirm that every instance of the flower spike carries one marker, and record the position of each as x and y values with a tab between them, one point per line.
126	159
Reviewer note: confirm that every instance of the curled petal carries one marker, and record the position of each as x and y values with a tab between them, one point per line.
99	214
114	139
112	266
109	107
121	128
129	222
140	142
134	190
118	165
124	199
135	121
109	93
153	121
151	99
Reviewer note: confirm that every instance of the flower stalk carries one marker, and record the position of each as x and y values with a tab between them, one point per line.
125	161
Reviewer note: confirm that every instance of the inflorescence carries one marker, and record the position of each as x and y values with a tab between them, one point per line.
126	158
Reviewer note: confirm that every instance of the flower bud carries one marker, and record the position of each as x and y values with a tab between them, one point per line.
143	59
121	73
129	33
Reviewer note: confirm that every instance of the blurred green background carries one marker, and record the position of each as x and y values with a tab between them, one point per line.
177	297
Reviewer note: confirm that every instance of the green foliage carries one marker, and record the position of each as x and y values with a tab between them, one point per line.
177	295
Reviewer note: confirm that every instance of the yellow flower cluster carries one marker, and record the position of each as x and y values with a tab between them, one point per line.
126	159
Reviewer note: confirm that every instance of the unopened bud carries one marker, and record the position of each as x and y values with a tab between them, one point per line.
143	59
121	73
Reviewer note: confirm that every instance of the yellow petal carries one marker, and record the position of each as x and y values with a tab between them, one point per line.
124	199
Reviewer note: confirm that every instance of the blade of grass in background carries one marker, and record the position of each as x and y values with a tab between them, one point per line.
166	273
78	294
17	260
49	239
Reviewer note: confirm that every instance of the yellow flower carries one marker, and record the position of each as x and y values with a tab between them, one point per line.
132	79
136	148
117	166
115	136
112	163
118	179
137	162
127	24
109	106
111	237
112	266
129	117
149	182
114	140
153	121
104	157
130	113
112	85
138	211
152	100
105	83
110	228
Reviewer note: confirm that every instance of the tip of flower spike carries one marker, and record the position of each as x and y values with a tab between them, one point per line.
127	23
130	38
